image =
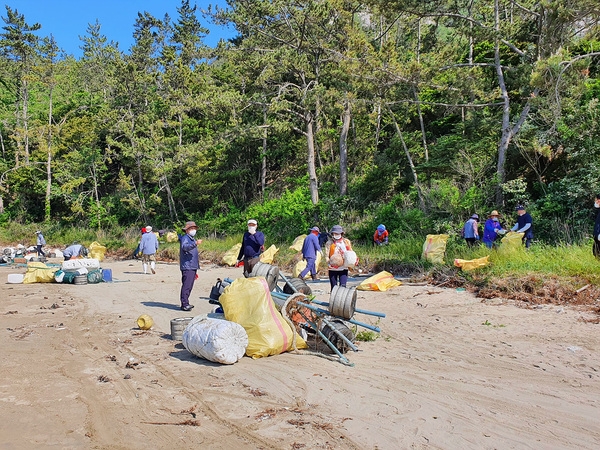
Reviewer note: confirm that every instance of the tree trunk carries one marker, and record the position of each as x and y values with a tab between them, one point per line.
505	137
312	172
263	169
422	123
344	148
410	162
47	209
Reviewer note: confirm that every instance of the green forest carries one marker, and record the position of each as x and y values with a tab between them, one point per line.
411	113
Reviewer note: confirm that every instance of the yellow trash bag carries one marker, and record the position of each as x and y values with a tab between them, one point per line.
230	256
434	248
268	255
379	282
171	236
471	264
97	251
248	301
38	272
301	265
511	241
298	243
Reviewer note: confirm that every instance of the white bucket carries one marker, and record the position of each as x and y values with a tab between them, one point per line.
15	278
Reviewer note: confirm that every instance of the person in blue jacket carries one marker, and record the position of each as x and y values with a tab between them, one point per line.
470	230
148	247
188	262
253	244
524	225
309	253
492	229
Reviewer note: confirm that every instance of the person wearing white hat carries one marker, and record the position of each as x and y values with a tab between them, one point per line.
470	230
148	248
39	243
253	244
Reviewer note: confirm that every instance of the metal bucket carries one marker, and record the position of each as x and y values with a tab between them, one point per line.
80	279
298	284
271	273
342	302
178	325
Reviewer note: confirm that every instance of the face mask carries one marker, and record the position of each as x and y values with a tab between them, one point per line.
597	204
495	219
192	233
337	236
251	229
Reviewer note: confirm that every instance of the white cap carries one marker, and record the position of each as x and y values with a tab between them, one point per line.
148	228
252	222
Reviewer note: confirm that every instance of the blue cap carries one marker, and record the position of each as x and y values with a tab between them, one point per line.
381	227
520	207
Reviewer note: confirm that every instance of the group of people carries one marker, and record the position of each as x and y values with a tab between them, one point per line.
493	228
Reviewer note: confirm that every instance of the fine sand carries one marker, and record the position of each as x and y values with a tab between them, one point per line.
448	371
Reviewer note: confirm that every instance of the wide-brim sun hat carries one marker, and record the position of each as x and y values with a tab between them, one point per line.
317	229
494	213
190	224
336	229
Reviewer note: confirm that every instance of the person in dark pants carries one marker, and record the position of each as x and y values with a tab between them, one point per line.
253	244
188	262
470	230
309	253
40	242
596	247
524	225
337	246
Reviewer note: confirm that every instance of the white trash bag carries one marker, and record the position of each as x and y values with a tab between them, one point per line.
217	340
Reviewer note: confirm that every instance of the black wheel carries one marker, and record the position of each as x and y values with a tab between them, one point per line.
329	330
299	284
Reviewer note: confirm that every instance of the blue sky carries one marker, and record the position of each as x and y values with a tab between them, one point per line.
66	20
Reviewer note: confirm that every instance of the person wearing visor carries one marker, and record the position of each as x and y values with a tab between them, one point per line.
253	244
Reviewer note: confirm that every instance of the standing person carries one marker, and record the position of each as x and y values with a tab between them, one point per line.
39	243
381	236
470	230
491	229
148	247
253	244
596	247
524	225
309	253
188	262
337	246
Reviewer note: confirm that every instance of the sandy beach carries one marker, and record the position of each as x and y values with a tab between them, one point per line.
449	371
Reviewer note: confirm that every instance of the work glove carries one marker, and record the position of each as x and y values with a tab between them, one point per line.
599	237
